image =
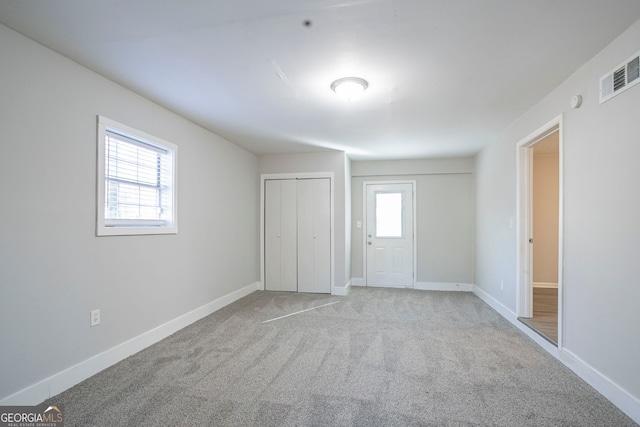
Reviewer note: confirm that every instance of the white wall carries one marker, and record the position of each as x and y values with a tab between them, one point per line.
601	175
328	161
53	268
444	209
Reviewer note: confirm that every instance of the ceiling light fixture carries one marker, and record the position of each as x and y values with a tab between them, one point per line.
349	87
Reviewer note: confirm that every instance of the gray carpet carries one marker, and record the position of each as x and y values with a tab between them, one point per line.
378	357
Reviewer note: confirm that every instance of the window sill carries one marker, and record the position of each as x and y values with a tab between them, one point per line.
134	231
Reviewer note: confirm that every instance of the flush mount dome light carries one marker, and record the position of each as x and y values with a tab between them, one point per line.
349	87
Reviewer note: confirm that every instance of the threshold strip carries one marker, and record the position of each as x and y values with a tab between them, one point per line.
298	312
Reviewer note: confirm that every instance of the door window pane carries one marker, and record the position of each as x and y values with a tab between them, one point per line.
389	216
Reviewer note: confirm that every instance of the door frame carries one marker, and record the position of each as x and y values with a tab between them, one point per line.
524	216
364	228
309	175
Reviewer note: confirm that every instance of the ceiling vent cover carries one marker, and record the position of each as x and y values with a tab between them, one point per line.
620	78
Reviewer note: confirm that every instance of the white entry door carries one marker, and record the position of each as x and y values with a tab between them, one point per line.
389	235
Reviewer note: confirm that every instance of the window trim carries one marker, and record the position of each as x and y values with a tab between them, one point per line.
109	227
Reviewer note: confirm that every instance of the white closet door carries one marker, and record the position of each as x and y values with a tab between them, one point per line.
314	235
280	235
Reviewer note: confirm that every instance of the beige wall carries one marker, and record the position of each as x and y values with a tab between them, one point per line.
545	217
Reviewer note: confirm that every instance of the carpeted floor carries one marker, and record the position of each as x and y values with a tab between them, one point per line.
378	357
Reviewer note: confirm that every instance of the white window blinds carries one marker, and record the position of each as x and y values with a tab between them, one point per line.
138	182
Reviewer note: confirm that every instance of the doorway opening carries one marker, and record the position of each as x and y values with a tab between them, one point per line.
540	231
389	248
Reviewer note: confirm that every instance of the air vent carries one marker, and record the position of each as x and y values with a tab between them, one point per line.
620	78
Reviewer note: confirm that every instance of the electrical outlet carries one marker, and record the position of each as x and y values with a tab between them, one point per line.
502	285
95	317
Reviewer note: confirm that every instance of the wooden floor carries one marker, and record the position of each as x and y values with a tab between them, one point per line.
545	314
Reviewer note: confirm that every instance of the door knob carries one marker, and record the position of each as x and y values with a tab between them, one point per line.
368	243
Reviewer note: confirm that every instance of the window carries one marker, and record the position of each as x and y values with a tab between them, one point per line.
136	182
389	210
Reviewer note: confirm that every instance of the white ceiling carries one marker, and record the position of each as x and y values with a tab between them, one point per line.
445	76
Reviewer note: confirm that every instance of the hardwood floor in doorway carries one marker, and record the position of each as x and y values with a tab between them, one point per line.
545	314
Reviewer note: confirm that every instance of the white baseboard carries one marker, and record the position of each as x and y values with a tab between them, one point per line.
388	286
438	286
545	285
69	377
357	281
425	286
342	291
626	402
502	309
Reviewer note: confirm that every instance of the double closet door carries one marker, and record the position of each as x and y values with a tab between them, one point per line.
298	235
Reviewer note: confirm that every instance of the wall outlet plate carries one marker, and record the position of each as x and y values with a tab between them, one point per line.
95	317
